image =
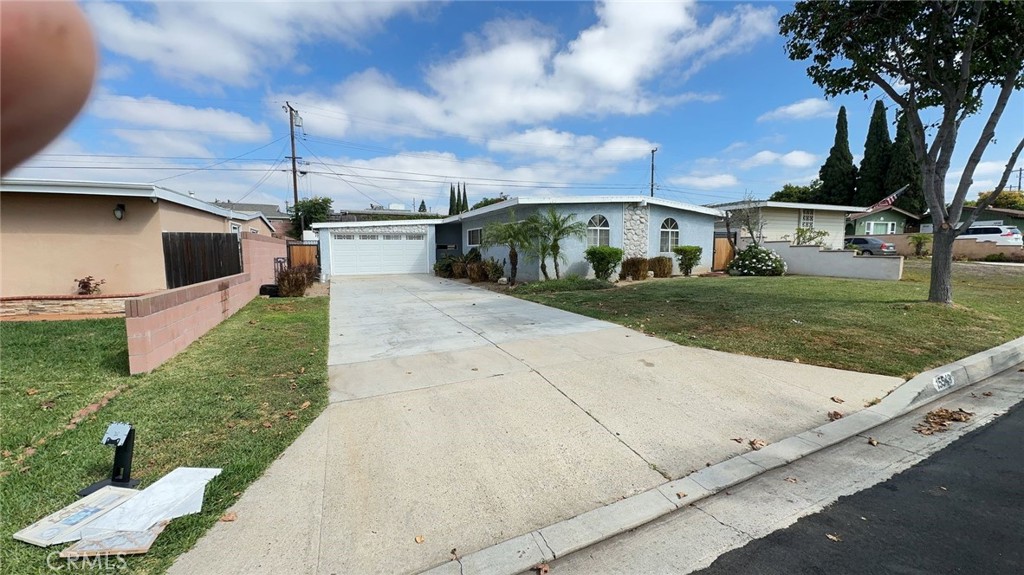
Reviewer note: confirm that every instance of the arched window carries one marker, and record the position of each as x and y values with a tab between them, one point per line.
669	235
598	231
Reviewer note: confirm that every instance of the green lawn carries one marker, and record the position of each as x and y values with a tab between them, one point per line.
234	399
870	326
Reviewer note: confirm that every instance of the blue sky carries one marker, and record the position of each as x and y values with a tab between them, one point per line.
398	100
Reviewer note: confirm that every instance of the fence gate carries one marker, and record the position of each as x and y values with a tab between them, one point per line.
723	253
191	258
304	253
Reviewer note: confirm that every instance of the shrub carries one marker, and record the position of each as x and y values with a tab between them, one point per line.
635	268
89	286
473	255
443	267
458	268
476	272
661	266
603	259
568	283
292	282
689	257
494	270
919	241
311	273
755	260
1000	257
810	237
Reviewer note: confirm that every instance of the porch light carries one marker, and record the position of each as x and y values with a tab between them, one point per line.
119	211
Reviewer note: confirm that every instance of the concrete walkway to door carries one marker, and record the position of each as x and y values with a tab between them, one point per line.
465	418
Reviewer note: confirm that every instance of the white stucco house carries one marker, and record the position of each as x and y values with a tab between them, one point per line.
781	219
641	226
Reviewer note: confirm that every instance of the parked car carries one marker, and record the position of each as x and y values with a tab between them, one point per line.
1000	235
872	246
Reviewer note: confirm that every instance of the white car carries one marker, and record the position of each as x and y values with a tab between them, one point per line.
1001	235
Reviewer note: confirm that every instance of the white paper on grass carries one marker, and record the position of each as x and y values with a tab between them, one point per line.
67	524
178	493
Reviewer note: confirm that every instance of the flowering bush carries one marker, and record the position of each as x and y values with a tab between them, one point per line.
755	260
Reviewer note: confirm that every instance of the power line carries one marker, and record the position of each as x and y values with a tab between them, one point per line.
218	163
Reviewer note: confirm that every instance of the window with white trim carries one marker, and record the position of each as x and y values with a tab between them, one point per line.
253	231
807	219
343	236
598	231
392	236
367	236
669	235
474	236
879	228
416	237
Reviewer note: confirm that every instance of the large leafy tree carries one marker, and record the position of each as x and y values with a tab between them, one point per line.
931	58
553	227
838	175
905	171
874	167
1007	200
309	211
794	193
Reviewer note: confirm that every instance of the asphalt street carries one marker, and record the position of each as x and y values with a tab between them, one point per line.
959	511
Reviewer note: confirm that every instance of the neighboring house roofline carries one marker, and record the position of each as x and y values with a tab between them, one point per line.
882	209
332	225
150	191
512	202
790	205
1007	211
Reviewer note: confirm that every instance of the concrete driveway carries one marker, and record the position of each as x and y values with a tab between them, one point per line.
467	417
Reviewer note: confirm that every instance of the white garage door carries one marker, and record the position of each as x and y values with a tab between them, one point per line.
365	254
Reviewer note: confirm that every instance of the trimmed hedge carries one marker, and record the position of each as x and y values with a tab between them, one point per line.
661	266
635	268
603	260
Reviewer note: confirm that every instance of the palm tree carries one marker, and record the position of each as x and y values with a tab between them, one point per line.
513	234
554	227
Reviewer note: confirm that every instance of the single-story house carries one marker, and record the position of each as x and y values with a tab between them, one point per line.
54	232
780	220
882	221
641	226
280	221
1005	216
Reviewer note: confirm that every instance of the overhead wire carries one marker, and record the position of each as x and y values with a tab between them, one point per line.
218	163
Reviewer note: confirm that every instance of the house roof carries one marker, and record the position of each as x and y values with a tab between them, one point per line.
790	205
271	211
882	209
156	193
512	202
1007	211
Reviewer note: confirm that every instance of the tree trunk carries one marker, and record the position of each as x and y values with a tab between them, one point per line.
544	268
555	250
513	264
941	288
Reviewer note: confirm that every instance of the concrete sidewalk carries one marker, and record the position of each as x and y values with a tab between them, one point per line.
467	418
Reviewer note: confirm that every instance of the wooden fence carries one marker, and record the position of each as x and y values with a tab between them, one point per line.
303	253
191	258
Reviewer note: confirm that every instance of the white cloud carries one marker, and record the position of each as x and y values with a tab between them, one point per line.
794	159
227	42
514	73
802	110
711	182
569	147
150	112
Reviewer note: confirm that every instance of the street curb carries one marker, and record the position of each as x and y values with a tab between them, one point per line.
522	553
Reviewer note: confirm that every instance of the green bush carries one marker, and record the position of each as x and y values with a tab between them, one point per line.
494	270
603	259
635	268
688	256
292	282
919	241
473	255
443	267
1000	257
568	283
661	266
755	260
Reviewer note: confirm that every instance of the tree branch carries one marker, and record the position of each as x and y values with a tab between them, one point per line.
984	203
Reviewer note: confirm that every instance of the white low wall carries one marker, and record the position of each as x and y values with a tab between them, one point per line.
814	261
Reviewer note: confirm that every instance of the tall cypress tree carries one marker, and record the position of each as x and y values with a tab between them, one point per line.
465	198
452	208
905	170
423	207
874	168
838	175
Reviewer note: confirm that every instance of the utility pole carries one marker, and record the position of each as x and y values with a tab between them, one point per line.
292	112
652	171
1019	172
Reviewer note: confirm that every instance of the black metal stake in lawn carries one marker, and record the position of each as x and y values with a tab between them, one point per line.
122	437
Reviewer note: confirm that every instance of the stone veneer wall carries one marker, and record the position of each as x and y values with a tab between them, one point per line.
635	234
64	305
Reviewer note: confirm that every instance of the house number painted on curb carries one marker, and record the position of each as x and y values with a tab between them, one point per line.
944	381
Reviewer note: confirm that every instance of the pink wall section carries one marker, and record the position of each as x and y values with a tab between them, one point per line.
162	324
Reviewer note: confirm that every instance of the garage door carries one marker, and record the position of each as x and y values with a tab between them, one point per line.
366	254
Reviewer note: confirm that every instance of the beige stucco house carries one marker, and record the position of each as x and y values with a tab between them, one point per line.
780	220
53	232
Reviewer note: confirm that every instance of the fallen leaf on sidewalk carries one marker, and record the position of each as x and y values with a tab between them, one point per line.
228	517
738	439
987	394
872	441
757	444
835	538
834	415
455	555
680	495
542	568
837	399
939	419
792	480
420	539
